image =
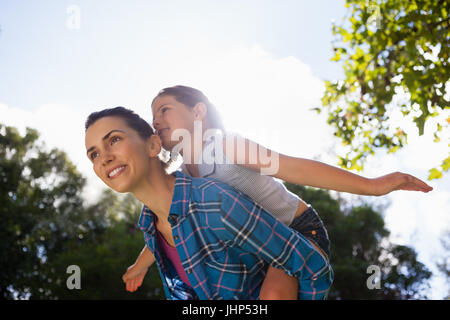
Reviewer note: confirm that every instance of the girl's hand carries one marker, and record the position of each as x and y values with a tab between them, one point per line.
398	181
133	277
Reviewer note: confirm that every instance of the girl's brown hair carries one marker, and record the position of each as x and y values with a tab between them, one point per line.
190	97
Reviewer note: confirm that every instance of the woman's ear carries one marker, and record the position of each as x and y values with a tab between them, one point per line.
155	145
200	111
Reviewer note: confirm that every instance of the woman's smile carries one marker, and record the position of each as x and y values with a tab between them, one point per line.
114	173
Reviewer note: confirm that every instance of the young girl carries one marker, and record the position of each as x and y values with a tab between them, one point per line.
209	240
181	107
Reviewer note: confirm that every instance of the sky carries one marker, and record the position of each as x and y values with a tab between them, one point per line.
262	63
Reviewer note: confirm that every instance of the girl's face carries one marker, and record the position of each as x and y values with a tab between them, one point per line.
119	155
169	115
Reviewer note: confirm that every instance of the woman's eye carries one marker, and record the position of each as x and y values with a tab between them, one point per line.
93	155
163	110
114	140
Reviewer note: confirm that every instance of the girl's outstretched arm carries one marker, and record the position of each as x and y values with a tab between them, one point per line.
315	173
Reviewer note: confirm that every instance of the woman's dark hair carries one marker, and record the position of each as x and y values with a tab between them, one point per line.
132	119
190	97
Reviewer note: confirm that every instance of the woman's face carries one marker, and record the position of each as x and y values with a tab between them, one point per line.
119	155
169	115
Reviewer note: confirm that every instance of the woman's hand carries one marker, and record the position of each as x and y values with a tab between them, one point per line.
133	277
398	181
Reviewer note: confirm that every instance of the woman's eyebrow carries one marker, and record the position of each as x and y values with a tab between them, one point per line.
105	137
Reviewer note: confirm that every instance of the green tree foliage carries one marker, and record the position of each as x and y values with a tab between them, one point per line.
388	48
39	192
443	263
103	259
359	240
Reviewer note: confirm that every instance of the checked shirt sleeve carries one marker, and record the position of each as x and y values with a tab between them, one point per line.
256	231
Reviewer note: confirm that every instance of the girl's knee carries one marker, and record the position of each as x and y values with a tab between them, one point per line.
275	293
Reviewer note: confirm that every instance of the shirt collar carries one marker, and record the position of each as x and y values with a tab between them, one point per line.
181	194
178	207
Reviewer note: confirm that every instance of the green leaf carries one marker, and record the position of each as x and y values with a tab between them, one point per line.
446	164
371	60
436	138
336	57
420	122
434	174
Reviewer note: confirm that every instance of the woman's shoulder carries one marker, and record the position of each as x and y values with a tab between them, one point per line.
209	189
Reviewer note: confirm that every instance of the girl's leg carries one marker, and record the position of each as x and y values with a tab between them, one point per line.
278	285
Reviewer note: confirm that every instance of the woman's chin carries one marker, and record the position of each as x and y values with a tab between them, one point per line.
121	188
122	191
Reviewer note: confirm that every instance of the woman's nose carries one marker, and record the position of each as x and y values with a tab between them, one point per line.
107	158
156	123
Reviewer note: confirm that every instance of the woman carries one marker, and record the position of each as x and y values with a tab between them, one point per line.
209	240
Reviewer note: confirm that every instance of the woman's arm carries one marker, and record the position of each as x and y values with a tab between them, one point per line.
317	174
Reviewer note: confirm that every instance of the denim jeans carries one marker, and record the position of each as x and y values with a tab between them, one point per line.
311	226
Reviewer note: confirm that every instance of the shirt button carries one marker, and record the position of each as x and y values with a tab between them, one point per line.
172	219
188	271
175	237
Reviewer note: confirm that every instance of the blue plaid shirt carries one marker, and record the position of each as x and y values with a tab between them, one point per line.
226	242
